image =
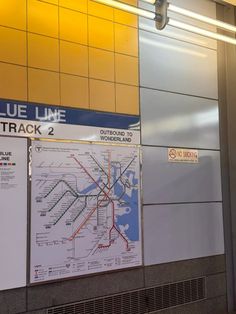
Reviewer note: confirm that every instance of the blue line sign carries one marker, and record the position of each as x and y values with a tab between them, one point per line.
43	121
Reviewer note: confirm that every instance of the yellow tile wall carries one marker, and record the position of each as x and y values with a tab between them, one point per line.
74	53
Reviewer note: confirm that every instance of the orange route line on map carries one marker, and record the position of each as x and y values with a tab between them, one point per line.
98	205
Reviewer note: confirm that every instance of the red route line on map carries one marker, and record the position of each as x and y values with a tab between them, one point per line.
109	171
90	214
94	209
85	170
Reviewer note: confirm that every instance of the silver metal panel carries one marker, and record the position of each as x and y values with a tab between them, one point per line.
172	32
177	120
204	7
172	65
180	232
168	182
201	6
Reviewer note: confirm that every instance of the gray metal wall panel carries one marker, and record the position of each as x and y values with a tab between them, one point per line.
204	7
172	65
172	32
200	6
184	231
165	182
177	120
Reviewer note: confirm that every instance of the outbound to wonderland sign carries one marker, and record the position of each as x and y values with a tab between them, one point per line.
43	121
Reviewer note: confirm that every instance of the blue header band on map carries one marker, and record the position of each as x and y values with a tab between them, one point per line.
56	114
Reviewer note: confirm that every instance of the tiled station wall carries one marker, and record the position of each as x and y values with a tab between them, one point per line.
73	53
81	54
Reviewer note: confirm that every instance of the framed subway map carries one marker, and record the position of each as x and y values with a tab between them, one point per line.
85	209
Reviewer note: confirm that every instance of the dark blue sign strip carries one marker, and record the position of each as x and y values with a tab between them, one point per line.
56	114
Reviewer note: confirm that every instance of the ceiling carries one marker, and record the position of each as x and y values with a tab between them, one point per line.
231	1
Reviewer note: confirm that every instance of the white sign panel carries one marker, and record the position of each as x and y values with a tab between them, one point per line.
85	209
13	212
16	127
183	155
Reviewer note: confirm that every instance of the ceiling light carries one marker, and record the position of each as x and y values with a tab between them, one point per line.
196	16
201	18
160	16
150	1
200	31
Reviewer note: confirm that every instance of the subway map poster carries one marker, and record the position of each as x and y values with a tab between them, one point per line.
85	209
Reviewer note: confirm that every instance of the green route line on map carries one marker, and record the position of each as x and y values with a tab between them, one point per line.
75	178
60	198
80	212
105	197
76	195
76	198
72	203
94	209
61	181
85	196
